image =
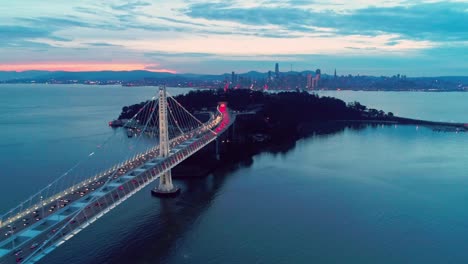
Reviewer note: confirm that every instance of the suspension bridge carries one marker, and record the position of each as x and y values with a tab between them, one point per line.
159	136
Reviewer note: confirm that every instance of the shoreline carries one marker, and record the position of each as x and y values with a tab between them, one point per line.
436	125
279	90
275	120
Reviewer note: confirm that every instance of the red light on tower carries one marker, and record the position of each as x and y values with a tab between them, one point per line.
222	106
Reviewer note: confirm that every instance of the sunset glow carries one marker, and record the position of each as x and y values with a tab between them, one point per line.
379	37
82	66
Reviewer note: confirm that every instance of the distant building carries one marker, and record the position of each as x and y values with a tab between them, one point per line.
313	83
309	81
233	78
269	75
277	71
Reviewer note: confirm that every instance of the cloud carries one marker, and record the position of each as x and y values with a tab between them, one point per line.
218	36
64	23
101	44
241	45
22	36
15	32
180	21
157	68
26	44
433	21
130	6
180	54
290	18
83	66
54	22
429	21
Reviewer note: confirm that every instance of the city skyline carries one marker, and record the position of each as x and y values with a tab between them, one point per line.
421	38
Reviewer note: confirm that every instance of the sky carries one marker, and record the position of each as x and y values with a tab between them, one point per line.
378	37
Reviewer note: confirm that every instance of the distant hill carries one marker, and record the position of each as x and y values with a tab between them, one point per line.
96	76
459	79
123	75
287	80
12	75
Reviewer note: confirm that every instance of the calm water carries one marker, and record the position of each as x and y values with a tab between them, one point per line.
376	195
447	107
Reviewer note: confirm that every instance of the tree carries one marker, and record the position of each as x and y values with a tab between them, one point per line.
357	106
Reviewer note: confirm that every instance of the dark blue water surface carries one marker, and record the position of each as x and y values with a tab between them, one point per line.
392	194
446	107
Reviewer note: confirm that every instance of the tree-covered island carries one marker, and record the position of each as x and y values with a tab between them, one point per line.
284	115
275	121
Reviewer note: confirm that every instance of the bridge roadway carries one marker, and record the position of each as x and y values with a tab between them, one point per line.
39	232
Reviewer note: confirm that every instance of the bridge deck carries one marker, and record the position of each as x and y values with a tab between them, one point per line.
36	233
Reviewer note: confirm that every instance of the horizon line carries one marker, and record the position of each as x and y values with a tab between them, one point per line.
228	73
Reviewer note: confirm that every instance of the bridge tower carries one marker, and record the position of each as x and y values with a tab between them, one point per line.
165	188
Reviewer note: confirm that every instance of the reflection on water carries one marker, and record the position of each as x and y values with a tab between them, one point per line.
372	194
153	235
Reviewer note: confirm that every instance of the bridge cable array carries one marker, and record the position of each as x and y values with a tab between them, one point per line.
108	161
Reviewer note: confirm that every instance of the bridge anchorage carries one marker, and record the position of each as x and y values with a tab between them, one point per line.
166	188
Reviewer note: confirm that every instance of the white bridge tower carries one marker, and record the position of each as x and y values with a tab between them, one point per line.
165	188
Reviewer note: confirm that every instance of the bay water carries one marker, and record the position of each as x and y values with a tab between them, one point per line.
379	194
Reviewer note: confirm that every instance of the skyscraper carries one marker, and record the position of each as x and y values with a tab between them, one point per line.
277	71
309	81
233	78
315	81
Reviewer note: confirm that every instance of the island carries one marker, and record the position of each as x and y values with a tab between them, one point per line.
274	121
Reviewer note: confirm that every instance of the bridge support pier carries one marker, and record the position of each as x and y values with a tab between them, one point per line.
165	188
218	156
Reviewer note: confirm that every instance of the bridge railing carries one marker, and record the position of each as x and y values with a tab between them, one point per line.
21	211
148	176
195	140
38	200
45	196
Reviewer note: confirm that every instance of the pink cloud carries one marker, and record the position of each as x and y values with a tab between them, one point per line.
82	66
